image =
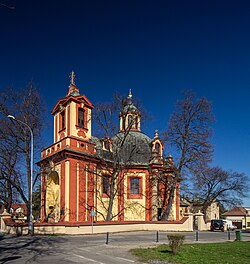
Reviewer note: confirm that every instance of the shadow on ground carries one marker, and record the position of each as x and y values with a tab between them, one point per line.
13	247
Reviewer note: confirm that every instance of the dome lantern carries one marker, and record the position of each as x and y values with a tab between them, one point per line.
130	117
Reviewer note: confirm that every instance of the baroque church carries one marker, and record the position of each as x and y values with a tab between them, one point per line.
106	179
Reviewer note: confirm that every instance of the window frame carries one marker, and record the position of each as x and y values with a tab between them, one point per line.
130	121
81	122
62	119
136	122
134	195
158	147
106	181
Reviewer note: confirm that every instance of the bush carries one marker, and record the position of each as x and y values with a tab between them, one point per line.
175	242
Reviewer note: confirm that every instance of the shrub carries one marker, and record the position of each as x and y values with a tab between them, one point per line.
175	242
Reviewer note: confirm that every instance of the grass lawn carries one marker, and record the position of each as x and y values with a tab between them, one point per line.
219	253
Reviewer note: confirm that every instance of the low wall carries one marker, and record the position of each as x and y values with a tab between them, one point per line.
98	228
186	224
11	227
201	224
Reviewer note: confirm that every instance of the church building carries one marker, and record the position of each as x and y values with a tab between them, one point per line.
117	178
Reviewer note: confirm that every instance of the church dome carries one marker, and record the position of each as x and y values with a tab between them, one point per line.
130	108
134	147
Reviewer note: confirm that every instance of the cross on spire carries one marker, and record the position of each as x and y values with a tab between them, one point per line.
72	78
73	90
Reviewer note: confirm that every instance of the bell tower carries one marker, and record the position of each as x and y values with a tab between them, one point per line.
66	159
72	114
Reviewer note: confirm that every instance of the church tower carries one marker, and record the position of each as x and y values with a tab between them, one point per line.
65	180
72	114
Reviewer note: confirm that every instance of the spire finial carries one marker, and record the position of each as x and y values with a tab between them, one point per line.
72	78
156	134
130	94
73	90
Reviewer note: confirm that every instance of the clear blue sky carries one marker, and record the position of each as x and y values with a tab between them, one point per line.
157	48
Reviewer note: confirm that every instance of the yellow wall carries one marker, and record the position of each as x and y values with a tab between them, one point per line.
53	197
246	222
67	176
135	208
73	115
102	202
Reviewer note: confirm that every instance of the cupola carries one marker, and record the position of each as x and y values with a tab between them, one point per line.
157	145
130	117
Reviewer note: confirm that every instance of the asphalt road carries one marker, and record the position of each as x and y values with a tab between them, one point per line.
94	249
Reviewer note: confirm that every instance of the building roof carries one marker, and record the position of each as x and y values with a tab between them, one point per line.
237	211
134	148
60	105
16	206
100	151
129	106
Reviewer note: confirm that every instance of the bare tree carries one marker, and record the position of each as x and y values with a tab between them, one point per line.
8	161
188	133
27	106
215	184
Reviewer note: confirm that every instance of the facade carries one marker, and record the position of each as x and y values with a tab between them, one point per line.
240	216
106	179
196	205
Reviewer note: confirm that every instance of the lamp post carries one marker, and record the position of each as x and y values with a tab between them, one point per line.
30	227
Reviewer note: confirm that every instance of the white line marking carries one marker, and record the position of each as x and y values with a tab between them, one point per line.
87	250
79	256
129	260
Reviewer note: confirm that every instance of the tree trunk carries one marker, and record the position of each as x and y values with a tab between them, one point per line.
9	200
166	213
111	200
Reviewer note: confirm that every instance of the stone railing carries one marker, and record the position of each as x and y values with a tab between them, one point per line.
69	143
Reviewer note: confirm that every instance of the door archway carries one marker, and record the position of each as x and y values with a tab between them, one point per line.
53	197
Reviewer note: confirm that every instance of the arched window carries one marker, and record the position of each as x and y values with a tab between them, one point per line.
130	120
81	117
106	185
62	117
157	147
134	185
53	197
136	122
106	144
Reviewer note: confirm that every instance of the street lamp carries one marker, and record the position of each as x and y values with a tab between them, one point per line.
30	228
